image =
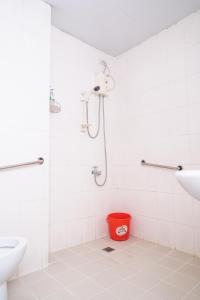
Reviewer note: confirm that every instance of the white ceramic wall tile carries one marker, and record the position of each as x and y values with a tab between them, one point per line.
183	209
77	205
191	58
166	234
58	239
192	29
101	227
193	89
159	123
184	238
164	206
162	96
24	118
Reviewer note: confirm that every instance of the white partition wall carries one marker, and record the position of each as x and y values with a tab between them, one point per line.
24	125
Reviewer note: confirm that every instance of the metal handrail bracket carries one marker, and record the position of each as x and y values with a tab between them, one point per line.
39	161
178	168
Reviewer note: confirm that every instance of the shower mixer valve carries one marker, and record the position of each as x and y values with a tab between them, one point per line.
95	171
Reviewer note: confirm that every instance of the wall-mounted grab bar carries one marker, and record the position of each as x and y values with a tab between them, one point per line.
178	168
39	161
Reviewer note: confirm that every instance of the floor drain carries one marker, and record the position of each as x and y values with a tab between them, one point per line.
108	249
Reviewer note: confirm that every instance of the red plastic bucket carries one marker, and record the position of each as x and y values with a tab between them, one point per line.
119	226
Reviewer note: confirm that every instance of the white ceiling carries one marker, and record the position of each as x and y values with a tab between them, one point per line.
115	26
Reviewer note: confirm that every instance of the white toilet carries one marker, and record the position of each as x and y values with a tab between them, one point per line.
12	250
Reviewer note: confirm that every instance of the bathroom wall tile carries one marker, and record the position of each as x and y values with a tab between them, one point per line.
196	212
192	29
58	237
194	123
175	62
89	230
101	227
166	235
77	205
165	127
193	89
159	123
184	238
197	242
145	228
25	126
164	206
183	209
75	232
192	61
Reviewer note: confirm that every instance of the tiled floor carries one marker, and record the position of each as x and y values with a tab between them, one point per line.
137	269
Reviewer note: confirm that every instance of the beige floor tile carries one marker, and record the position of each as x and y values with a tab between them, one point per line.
77	260
149	296
21	295
191	297
62	295
124	270
17	291
145	244
152	256
34	277
104	296
144	280
171	263
126	291
56	268
62	254
15	285
136	270
51	259
142	263
107	278
94	255
196	290
195	261
167	292
96	267
85	289
181	255
135	250
190	271
69	276
182	281
109	262
92	268
98	244
119	244
81	249
160	271
121	256
162	249
45	288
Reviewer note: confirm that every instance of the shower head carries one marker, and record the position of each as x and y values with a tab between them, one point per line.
54	106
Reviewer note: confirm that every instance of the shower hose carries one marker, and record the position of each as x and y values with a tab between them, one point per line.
101	101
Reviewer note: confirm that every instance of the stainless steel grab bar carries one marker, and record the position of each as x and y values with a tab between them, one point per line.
40	161
178	168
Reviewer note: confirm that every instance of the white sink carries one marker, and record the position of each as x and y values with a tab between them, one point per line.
190	181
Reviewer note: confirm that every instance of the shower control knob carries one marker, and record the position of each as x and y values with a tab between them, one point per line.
95	171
